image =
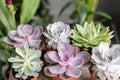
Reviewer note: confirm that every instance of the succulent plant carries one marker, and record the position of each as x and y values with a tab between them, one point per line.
57	32
27	63
67	62
24	34
90	35
106	61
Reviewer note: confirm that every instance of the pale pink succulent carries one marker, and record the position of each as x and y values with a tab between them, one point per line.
25	34
67	62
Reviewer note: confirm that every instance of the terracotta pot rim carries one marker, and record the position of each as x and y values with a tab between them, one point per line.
58	78
13	75
93	77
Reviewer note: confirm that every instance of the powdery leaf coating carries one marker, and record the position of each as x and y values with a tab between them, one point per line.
28	62
106	61
57	32
67	62
24	34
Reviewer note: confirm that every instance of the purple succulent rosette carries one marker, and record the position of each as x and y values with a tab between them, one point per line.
25	34
67	62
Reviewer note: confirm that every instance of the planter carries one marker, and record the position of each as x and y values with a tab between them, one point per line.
5	71
31	79
58	78
35	78
93	77
12	77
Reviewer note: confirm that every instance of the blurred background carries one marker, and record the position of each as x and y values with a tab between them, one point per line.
111	7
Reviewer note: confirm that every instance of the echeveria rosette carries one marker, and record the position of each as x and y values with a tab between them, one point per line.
90	35
27	63
67	62
24	34
106	61
57	32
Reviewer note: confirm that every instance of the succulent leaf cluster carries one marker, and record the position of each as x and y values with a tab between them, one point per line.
106	61
67	62
24	34
90	35
57	32
27	62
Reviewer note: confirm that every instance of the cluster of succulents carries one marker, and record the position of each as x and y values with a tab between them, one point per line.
65	51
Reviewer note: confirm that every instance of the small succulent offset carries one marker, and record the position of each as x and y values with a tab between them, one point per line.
27	63
106	61
57	32
90	35
67	62
24	34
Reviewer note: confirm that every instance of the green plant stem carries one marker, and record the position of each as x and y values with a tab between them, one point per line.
91	8
14	21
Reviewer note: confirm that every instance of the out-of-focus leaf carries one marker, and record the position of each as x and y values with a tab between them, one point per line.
2	2
91	8
28	9
1	32
45	1
3	54
1	66
82	13
103	14
92	4
6	17
65	7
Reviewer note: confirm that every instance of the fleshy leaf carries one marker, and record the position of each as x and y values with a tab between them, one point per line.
20	52
28	9
6	17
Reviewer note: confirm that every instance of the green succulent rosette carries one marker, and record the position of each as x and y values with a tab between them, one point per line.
90	35
27	62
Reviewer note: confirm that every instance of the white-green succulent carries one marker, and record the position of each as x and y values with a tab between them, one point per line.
106	61
90	35
58	32
27	63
